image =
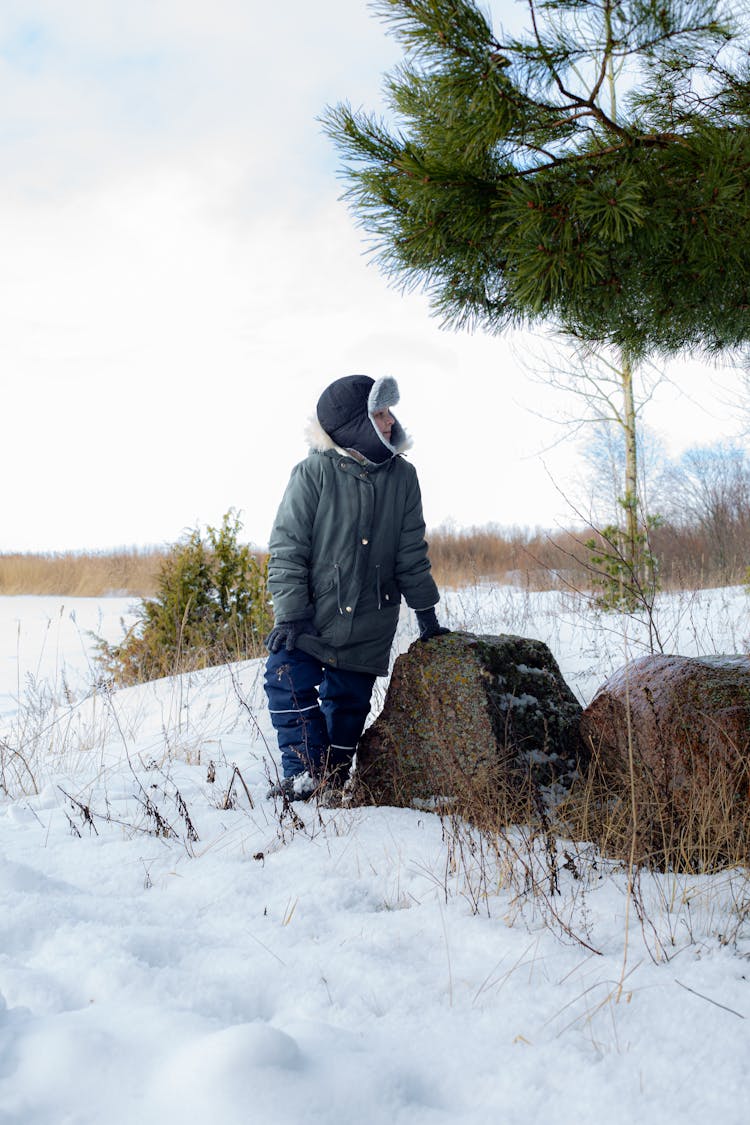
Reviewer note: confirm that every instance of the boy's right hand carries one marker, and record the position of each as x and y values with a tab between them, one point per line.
287	633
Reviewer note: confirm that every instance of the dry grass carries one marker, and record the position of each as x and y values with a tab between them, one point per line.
698	823
127	572
534	559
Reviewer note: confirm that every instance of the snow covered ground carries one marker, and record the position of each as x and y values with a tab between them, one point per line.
174	950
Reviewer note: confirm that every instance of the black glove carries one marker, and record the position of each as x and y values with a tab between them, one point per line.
428	624
287	633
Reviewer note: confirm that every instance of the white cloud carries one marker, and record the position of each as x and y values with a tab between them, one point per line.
92	90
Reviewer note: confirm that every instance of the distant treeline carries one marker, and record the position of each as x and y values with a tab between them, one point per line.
689	555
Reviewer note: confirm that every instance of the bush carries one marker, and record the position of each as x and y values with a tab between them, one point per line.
211	607
624	574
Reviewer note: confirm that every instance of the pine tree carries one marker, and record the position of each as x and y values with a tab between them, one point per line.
593	173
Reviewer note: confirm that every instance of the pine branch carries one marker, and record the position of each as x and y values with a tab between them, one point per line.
510	194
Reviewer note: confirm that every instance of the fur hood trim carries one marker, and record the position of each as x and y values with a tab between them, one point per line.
319	441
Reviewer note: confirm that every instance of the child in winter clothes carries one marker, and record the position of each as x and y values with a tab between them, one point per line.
347	544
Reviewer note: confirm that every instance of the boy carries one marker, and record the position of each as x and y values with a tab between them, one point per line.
347	544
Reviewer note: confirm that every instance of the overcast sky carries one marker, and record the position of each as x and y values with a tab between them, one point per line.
179	281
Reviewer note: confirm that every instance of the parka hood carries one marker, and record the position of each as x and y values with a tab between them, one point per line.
344	418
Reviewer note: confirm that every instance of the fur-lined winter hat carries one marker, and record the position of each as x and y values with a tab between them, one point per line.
345	411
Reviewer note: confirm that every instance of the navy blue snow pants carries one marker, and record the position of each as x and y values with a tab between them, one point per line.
318	712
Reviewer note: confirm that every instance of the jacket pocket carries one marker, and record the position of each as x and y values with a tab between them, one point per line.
322	580
321	590
326	593
387	591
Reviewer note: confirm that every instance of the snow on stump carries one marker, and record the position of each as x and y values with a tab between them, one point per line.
684	723
470	718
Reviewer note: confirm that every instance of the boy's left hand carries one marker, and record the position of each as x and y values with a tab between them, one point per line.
428	624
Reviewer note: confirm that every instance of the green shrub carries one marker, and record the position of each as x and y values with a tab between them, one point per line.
211	607
624	573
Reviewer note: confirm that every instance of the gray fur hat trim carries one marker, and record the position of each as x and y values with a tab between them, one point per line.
383	394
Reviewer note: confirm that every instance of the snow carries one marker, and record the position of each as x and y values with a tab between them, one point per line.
164	958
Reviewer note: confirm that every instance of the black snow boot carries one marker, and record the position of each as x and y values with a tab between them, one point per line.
298	787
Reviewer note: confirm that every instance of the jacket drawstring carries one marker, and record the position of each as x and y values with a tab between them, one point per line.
337	568
377	580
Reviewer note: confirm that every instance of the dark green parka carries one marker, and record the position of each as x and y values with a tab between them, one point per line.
347	544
